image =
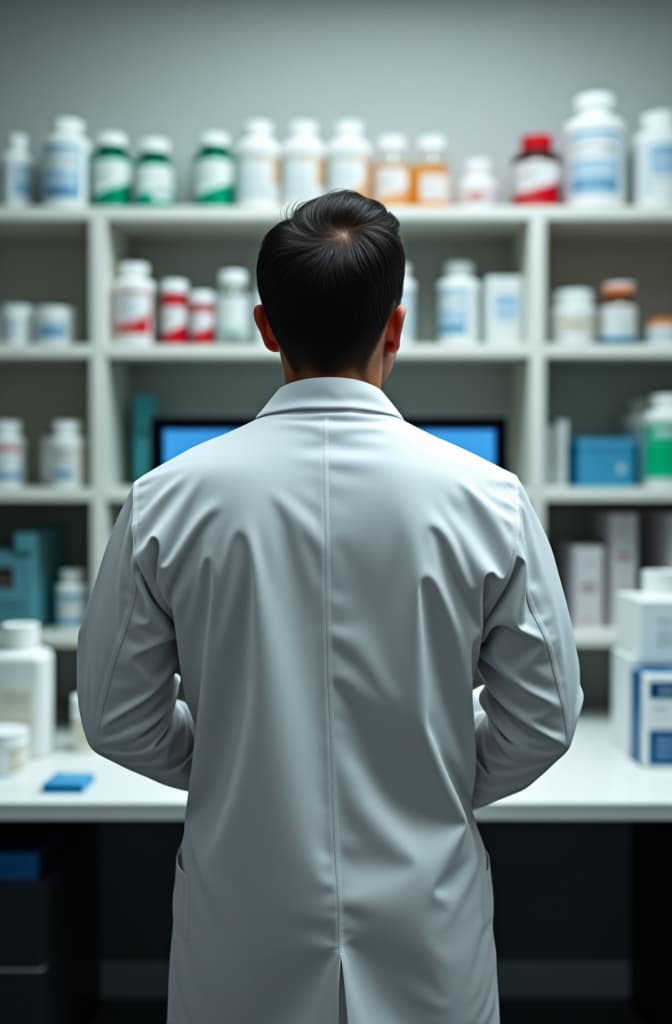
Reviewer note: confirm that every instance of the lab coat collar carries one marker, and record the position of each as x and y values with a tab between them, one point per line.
329	393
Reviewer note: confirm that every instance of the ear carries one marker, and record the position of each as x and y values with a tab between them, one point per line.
261	320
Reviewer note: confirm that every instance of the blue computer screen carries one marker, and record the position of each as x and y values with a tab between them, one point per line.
484	439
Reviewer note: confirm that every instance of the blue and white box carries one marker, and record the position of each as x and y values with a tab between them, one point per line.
640	708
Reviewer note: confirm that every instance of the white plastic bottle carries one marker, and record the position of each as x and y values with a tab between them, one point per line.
17	187
478	184
258	158
133	301
214	170
595	151
54	322
202	314
12	452
70	596
653	158
154	171
28	681
111	168
303	160
392	181
409	299
65	165
64	456
234	304
17	318
349	157
457	302
432	174
657	440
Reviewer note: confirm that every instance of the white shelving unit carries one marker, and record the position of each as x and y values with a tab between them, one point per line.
46	254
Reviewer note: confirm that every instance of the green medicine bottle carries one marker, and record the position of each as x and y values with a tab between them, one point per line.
111	169
154	171
214	169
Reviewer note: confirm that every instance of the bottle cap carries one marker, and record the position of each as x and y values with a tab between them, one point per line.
478	163
70	124
655	577
392	142
180	285
588	98
11	425
580	293
262	125
215	139
304	125
618	288
19	140
161	145
459	267
656	118
202	297
137	268
49	309
660	397
431	141
66	424
235	276
20	632
113	139
71	573
349	126
536	141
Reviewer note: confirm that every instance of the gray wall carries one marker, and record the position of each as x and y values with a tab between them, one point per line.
484	71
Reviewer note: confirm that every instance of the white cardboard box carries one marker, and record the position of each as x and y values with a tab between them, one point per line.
644	625
620	532
640	707
582	571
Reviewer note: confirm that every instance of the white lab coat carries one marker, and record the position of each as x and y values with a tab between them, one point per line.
331	583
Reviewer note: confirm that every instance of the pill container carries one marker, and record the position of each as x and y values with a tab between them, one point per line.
28	681
70	596
573	314
14	747
619	312
12	452
54	322
16	323
659	328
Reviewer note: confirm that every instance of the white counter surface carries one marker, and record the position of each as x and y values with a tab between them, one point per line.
594	781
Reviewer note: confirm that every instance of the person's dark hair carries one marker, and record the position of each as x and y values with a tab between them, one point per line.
328	278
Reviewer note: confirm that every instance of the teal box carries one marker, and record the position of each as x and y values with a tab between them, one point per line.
604	459
144	408
27	572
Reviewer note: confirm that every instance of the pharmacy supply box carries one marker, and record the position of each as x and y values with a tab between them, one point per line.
582	571
620	532
644	625
640	708
604	459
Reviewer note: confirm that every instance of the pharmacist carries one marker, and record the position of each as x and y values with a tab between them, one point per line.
330	582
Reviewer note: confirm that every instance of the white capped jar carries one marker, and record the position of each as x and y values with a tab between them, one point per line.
28	681
659	329
202	314
70	596
303	160
595	150
653	158
349	157
12	452
234	304
619	311
78	740
478	184
392	181
174	308
133	300
17	319
457	302
258	164
65	163
573	314
65	452
54	322
154	171
14	747
409	299
17	168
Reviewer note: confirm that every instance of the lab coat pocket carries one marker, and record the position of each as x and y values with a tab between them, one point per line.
180	900
488	895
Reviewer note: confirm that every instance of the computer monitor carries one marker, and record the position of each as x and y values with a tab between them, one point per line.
483	437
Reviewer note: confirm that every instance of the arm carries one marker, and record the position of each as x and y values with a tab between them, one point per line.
526	711
126	663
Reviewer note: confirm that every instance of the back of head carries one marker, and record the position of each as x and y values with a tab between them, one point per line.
328	278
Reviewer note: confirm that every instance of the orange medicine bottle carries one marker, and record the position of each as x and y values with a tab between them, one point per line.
392	173
432	177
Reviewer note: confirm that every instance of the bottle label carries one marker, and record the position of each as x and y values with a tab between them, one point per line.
111	175
537	179
392	182
65	462
303	178
173	321
133	312
455	319
505	308
235	317
258	179
155	182
61	178
17	182
212	175
595	158
349	172
619	320
660	159
658	450
12	462
202	323
433	186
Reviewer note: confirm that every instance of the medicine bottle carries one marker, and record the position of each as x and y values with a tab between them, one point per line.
478	185
54	322
214	170
349	157
258	164
174	308
573	314
409	299
619	312
392	173
457	302
432	177
154	171
12	452
234	304
14	747
78	740
70	596
659	328
304	154
657	429
111	168
202	317
16	323
28	681
595	151
65	164
63	458
537	171
133	297
653	158
17	188
502	307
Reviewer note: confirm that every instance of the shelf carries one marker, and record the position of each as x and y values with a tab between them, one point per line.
594	638
577	494
41	220
47	353
63	638
601	352
624	221
44	494
117	494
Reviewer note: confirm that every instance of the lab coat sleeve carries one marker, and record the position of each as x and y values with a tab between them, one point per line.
528	695
126	666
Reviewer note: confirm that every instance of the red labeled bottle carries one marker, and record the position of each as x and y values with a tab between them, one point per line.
537	171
